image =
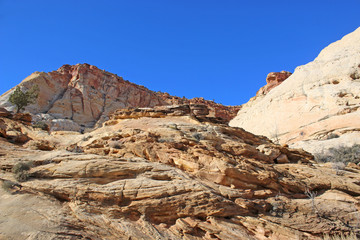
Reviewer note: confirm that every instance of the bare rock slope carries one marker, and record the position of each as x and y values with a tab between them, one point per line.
169	173
319	100
79	96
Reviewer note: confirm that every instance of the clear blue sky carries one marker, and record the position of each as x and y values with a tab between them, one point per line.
216	49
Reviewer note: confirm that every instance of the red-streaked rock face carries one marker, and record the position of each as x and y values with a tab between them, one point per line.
92	93
273	79
86	94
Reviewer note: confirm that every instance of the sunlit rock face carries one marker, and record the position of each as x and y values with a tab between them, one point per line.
83	95
168	173
320	99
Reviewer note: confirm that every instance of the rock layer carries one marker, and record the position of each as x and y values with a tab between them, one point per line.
320	98
165	174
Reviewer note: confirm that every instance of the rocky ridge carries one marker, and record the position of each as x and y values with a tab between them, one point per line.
81	96
319	101
170	173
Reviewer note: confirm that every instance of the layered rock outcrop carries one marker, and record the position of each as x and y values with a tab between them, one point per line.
165	174
76	97
198	111
321	99
14	127
215	109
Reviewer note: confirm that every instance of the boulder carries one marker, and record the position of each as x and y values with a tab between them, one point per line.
17	136
43	145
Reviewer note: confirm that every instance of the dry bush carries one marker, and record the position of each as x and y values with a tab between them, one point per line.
8	185
351	236
341	154
21	171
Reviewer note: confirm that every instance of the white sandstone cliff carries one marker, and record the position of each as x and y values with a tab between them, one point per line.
319	99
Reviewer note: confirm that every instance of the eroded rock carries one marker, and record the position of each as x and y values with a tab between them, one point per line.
321	99
176	177
82	95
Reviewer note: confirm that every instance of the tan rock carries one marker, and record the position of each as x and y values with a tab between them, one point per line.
215	109
17	136
43	145
32	217
270	151
175	177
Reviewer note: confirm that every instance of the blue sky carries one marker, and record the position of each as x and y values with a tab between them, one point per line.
221	50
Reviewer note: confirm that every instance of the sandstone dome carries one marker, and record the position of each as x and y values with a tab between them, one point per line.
320	99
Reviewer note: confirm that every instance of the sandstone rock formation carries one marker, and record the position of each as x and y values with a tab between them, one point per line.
198	111
170	173
215	109
77	97
321	99
164	167
11	127
273	80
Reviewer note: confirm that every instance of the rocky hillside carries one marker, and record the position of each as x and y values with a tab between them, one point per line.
166	173
79	96
317	107
162	167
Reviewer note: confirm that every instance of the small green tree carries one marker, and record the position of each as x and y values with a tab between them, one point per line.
21	99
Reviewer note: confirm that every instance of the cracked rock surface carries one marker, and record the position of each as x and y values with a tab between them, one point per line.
169	177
